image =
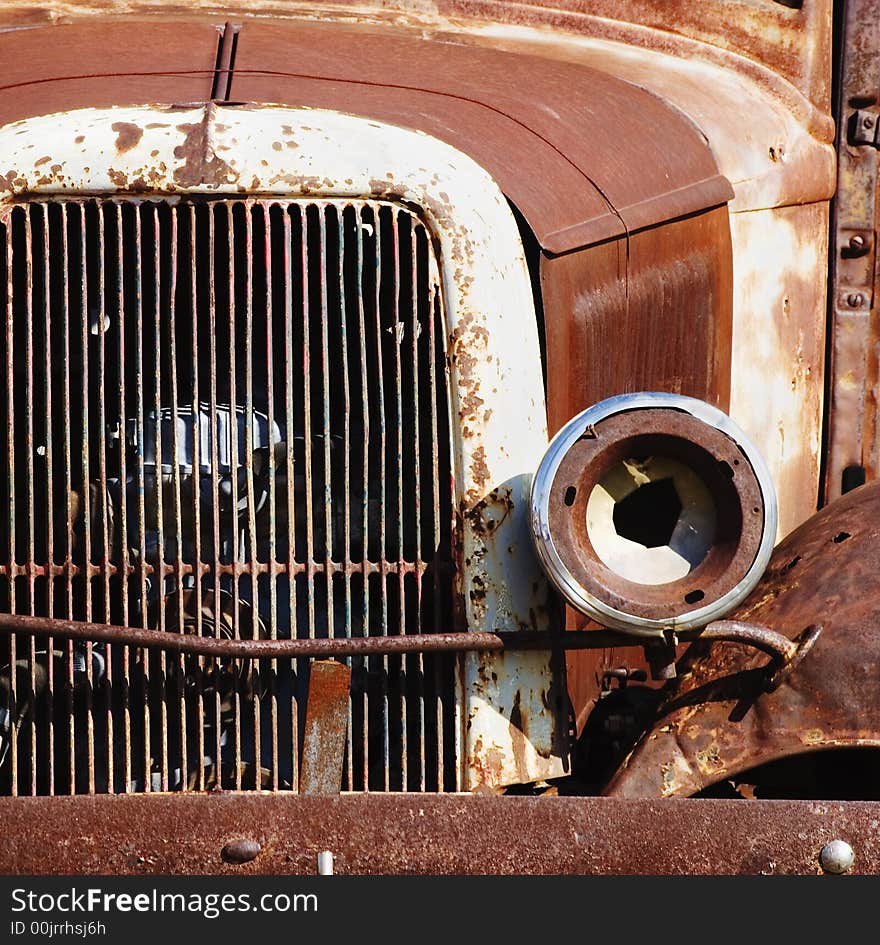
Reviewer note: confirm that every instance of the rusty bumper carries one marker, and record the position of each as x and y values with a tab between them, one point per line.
445	834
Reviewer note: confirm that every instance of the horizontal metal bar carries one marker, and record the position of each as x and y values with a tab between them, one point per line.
293	649
452	834
761	638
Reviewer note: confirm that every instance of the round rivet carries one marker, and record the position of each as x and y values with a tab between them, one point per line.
241	851
836	857
855	299
857	242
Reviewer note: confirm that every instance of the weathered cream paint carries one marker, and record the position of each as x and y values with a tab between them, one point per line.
497	401
779	266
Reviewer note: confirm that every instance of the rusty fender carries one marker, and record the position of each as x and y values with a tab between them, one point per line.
723	715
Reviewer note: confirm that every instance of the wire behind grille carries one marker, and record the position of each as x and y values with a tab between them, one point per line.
227	418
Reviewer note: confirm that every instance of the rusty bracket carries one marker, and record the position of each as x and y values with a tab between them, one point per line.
326	726
225	65
865	128
785	654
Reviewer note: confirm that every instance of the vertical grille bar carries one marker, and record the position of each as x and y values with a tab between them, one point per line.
377	217
158	497
124	554
182	622
433	280
360	225
100	330
195	446
414	328
30	550
233	511
290	516
143	567
49	500
214	253
398	335
328	537
12	693
85	490
308	495
347	446
254	588
271	540
67	495
309	550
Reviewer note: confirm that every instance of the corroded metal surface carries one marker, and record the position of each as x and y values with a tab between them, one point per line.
853	448
451	834
294	648
323	746
769	40
720	719
579	189
613	327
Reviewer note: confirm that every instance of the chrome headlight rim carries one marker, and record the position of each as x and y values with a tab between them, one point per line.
581	597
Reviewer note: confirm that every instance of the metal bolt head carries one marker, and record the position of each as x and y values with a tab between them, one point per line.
857	242
836	857
855	299
868	122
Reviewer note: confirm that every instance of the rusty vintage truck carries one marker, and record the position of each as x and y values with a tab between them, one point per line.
440	434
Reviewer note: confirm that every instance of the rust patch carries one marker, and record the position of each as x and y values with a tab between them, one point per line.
118	179
128	135
485	517
480	473
13	180
201	165
43	160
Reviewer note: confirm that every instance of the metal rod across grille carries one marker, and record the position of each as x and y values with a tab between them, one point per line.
226	418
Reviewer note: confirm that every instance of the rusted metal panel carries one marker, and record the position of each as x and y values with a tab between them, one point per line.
439	834
853	448
629	127
580	188
789	41
787	156
774	41
103	64
723	716
608	333
323	748
616	326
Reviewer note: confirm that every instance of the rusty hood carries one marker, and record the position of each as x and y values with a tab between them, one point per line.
719	719
584	155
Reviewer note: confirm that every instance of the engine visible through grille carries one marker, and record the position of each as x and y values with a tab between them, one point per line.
225	418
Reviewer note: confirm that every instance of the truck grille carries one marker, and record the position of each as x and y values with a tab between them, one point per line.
221	417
